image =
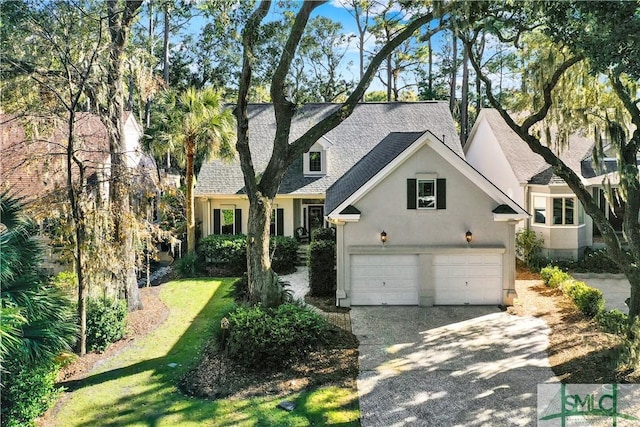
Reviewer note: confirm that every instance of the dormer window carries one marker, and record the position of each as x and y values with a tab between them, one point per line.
315	161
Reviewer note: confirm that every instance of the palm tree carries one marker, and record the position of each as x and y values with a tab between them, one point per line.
193	125
38	321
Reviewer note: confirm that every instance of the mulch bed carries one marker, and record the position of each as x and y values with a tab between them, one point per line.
579	352
217	376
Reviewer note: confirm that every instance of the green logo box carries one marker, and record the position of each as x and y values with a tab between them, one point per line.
573	405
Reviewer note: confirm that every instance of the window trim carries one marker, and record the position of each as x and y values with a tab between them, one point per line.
434	196
315	162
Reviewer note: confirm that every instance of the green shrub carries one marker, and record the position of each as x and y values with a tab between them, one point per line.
630	349
224	254
227	255
613	321
596	261
589	300
66	281
106	322
322	268
27	392
553	276
528	246
284	250
187	266
271	338
323	234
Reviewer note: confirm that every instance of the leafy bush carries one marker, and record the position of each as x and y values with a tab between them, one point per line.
322	267
271	338
528	246
323	234
225	254
285	253
596	261
613	321
106	322
67	281
553	276
27	392
187	266
589	300
630	349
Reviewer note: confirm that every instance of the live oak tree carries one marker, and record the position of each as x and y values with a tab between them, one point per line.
262	186
120	18
599	39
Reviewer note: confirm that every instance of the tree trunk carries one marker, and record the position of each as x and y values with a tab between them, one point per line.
454	73
191	220
430	70
120	17
263	286
389	79
166	45
464	101
78	224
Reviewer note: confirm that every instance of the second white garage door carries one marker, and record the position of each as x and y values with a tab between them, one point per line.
384	280
468	279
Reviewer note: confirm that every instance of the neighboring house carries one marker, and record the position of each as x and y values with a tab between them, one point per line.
33	163
557	215
392	167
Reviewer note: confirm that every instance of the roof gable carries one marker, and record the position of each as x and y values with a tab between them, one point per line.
340	196
528	166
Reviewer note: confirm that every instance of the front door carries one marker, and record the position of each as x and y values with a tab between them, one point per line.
315	217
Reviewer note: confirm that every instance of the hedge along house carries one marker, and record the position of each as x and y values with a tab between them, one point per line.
382	159
557	215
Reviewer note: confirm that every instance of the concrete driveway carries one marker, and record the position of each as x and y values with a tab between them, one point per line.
449	366
615	288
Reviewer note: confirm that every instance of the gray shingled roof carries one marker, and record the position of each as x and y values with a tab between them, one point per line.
351	141
528	166
380	156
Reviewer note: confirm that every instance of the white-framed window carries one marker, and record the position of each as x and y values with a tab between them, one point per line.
540	210
227	220
426	194
563	211
315	161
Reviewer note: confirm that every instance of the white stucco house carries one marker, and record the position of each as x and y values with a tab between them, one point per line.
394	172
556	214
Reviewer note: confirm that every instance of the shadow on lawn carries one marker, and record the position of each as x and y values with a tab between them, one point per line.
157	400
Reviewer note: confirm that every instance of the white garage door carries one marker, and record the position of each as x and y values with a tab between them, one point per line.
468	279
384	279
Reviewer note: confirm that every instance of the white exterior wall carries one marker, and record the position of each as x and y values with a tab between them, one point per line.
485	154
425	232
205	207
561	241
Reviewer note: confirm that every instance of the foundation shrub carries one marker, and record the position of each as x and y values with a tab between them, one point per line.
322	268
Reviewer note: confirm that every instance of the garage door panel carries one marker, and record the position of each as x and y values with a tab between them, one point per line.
467	279
384	279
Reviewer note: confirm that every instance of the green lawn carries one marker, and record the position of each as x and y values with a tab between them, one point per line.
136	387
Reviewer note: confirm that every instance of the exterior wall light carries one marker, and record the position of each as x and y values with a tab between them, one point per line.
383	237
469	236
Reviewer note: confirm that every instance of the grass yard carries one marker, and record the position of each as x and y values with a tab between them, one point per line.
137	386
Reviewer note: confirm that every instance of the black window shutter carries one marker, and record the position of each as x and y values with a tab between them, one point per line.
238	221
411	193
441	193
280	222
216	221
